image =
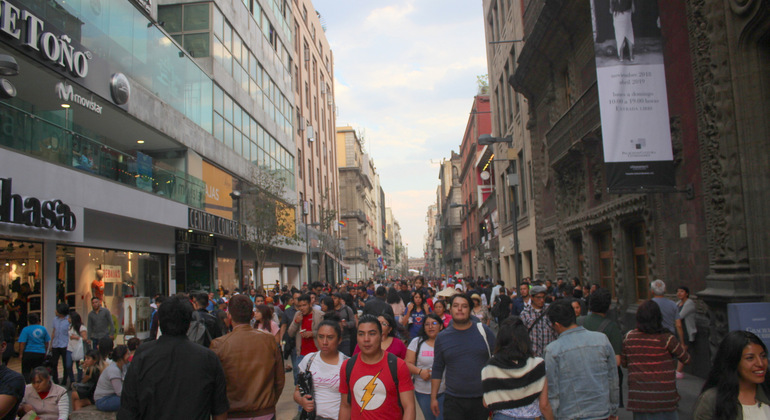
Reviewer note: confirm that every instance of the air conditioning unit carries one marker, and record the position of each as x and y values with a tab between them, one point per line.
513	180
310	133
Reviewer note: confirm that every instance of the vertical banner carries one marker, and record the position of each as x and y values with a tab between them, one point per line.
632	96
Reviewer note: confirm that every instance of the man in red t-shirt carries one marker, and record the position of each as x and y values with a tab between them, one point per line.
305	326
373	391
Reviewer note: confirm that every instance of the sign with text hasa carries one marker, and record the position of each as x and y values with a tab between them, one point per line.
633	104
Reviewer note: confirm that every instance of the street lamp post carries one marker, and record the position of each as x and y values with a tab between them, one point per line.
466	208
236	196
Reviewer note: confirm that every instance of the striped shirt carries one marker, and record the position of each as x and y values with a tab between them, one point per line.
651	370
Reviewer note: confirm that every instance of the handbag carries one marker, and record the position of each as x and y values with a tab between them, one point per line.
79	351
84	390
305	385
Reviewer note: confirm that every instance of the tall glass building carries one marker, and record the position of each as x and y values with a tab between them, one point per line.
131	125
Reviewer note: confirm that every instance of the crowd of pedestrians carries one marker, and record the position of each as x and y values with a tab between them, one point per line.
451	349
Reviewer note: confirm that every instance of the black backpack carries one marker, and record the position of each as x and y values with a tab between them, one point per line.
392	364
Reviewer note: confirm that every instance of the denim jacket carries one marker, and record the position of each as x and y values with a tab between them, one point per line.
582	375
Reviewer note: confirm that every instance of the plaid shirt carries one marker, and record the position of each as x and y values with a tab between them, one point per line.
542	333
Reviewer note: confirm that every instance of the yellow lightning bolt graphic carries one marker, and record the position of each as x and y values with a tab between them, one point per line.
370	387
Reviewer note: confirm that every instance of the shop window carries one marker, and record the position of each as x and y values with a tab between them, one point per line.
125	280
20	275
606	268
641	272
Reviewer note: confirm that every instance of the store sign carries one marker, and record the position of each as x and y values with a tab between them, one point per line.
30	30
200	220
33	212
219	185
66	92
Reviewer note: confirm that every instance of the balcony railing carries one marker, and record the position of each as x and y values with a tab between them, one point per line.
581	118
35	136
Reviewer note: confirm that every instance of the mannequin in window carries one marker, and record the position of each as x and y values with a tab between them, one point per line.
97	286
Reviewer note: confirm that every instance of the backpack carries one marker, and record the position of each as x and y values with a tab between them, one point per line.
197	332
392	364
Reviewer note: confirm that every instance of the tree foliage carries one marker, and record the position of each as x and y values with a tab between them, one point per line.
482	81
270	218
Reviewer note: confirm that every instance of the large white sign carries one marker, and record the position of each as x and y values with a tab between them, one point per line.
633	101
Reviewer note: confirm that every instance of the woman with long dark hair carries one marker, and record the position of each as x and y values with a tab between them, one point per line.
263	320
78	336
648	353
396	303
514	382
110	384
736	387
419	360
415	313
325	365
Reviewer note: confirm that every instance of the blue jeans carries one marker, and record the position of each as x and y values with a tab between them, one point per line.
423	400
501	416
68	362
108	403
295	359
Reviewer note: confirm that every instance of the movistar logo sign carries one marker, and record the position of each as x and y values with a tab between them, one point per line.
67	93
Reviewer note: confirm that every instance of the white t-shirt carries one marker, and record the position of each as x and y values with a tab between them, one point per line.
73	343
424	361
326	384
756	412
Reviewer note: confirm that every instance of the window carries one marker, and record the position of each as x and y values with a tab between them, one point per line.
299	159
606	268
304	14
189	25
639	246
310	172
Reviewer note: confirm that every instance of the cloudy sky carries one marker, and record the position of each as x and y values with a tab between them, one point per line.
405	75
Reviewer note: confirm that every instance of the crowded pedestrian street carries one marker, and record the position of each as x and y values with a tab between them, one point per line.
384	210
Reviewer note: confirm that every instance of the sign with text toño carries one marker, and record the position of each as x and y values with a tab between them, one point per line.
62	51
633	101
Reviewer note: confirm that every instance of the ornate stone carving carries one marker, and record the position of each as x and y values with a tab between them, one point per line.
617	263
675	122
570	187
717	131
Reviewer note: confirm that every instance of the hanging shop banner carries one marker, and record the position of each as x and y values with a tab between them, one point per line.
632	96
219	185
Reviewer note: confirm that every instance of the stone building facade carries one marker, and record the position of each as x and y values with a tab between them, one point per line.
708	235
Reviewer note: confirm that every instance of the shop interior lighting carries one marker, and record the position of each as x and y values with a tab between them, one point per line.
65	106
140	141
189	230
211	234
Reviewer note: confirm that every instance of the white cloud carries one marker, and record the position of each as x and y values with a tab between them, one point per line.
406	75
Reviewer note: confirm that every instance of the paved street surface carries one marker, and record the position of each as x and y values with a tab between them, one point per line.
689	388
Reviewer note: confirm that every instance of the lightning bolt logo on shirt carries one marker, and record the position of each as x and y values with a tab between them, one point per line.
369	388
369	392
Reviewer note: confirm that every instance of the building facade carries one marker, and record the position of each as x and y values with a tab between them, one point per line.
315	136
707	234
132	124
356	204
449	200
514	180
